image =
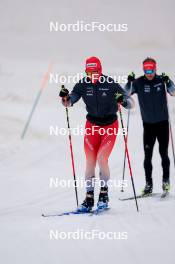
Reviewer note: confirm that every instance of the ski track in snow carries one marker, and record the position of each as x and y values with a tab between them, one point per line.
27	166
27	195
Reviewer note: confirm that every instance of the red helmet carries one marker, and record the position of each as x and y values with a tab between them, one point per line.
149	64
93	64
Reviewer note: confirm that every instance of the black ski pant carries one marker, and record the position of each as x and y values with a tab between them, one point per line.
159	131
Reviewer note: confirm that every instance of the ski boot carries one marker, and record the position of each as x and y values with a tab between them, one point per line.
103	198
166	186
87	204
148	189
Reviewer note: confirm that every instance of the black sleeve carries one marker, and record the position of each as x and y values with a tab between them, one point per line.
75	95
171	88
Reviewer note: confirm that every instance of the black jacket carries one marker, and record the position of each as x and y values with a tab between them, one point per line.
100	100
152	97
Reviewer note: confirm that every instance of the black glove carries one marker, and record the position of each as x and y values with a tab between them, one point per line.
131	77
120	99
64	92
165	78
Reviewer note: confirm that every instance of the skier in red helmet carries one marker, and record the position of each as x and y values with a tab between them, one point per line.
152	90
101	96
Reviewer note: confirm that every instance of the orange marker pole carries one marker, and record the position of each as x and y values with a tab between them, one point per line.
42	87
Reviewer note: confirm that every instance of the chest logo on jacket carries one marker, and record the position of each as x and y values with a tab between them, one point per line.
104	94
89	91
147	88
158	86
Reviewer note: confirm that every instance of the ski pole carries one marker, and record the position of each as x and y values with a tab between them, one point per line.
170	126
124	161
172	142
128	157
43	84
71	152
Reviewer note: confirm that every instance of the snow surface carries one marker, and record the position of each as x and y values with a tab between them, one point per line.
27	49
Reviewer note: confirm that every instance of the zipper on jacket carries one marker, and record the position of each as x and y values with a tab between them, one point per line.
154	101
96	99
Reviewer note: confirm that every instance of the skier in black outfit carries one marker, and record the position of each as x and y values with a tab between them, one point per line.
152	96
